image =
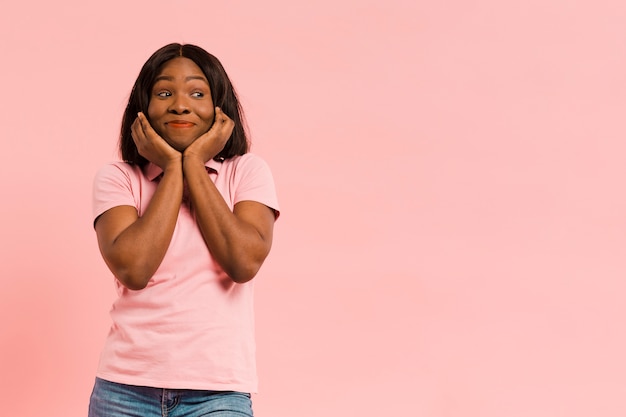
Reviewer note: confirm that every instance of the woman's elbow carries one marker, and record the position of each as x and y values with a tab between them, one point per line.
244	266
134	285
133	280
243	273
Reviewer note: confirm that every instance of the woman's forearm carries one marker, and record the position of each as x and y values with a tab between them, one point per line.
239	241
132	246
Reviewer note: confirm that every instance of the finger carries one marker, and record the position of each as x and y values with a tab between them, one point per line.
137	131
220	116
225	124
145	125
226	129
137	127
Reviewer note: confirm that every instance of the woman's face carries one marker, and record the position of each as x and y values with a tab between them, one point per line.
181	108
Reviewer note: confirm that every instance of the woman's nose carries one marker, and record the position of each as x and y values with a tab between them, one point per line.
178	105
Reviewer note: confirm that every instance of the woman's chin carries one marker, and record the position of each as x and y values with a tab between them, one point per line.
179	144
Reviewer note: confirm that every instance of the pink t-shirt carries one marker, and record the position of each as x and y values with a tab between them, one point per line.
192	327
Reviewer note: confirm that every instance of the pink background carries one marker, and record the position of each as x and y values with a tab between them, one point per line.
452	180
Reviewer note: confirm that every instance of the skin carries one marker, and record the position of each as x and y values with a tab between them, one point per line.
180	140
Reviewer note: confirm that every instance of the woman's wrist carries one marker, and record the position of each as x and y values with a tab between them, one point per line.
191	159
173	165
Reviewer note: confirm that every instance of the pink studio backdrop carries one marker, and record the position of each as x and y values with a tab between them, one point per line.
452	180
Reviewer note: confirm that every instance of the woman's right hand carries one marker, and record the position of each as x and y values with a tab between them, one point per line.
134	246
152	146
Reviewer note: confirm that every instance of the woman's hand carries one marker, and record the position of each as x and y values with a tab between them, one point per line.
207	146
152	146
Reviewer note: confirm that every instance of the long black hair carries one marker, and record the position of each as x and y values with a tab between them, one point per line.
222	92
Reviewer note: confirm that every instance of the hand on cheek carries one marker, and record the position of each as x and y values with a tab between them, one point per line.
150	145
207	146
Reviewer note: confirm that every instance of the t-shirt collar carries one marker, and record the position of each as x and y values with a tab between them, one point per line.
153	171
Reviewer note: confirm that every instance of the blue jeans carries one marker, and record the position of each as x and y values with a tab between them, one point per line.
110	399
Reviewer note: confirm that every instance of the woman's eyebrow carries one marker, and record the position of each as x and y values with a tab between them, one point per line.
189	78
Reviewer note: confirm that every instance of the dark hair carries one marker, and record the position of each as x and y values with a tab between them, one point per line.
222	92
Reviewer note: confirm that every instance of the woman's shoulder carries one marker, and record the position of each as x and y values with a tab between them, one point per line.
118	169
246	161
247	157
120	166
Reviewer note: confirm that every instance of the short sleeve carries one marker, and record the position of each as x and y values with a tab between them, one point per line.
112	187
254	182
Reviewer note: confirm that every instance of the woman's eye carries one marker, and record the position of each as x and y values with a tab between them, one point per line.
197	94
164	94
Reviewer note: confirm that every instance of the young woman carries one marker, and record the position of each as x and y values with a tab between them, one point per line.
184	224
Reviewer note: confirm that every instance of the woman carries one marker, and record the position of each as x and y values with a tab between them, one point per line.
183	224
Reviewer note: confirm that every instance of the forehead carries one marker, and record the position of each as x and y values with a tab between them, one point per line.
180	68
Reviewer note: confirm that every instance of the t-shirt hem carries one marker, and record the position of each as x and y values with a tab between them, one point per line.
250	388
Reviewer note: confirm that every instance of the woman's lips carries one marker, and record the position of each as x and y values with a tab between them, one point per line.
178	124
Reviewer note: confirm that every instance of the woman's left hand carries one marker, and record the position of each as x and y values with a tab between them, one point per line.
207	146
